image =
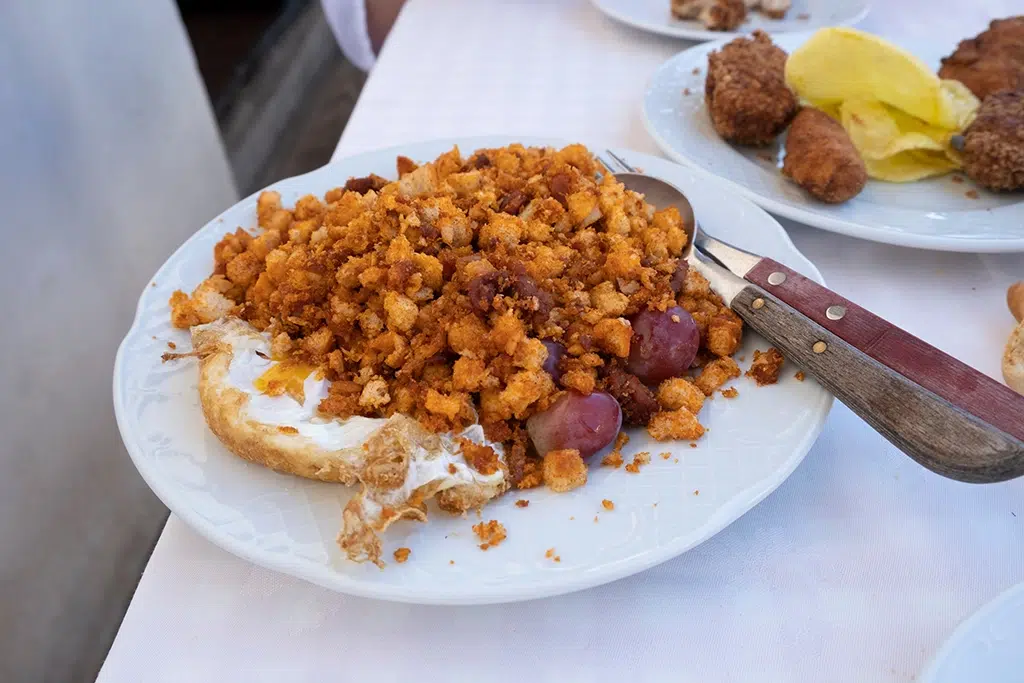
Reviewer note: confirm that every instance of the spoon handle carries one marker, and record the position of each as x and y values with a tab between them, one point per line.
944	414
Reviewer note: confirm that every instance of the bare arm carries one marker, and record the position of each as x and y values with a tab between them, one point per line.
380	16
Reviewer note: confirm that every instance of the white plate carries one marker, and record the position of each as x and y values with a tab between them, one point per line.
988	647
929	214
804	15
754	442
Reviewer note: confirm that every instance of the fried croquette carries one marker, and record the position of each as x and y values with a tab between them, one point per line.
991	61
723	15
746	92
994	143
687	9
821	158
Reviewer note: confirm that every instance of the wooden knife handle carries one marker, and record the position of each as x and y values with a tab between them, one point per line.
943	414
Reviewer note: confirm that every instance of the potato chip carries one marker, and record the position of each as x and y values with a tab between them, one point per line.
900	116
909	166
894	145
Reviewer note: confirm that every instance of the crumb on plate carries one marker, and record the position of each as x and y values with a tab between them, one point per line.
640	459
401	555
491	533
607	504
765	367
614	459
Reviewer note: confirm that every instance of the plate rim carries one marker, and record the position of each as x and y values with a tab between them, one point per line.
965	628
705	35
849	228
492	594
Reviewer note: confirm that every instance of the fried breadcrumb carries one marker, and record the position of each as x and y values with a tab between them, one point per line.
994	143
675	424
490	533
564	470
990	62
766	366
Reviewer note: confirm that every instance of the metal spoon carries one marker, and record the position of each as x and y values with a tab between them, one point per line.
944	414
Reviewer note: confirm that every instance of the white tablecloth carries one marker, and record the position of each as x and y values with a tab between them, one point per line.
855	570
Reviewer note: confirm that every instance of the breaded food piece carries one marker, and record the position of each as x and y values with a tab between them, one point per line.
766	366
564	470
688	9
715	374
774	9
994	143
821	158
746	92
723	15
990	62
716	15
675	424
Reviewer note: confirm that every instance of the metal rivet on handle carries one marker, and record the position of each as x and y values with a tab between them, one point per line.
757	303
819	347
776	278
835	312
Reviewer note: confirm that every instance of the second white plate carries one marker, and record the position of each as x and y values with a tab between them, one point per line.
947	213
803	15
988	646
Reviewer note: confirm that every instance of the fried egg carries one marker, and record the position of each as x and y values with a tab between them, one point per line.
266	411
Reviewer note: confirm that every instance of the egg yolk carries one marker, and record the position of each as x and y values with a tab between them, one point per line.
286	377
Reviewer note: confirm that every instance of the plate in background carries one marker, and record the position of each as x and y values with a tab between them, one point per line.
988	647
937	213
803	15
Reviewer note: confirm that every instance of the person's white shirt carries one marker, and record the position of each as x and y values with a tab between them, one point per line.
347	19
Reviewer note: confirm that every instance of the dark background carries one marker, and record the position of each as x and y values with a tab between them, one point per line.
241	49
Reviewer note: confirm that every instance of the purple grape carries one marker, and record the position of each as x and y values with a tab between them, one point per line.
664	344
586	423
556	352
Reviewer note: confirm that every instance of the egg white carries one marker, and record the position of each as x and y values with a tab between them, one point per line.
293	437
